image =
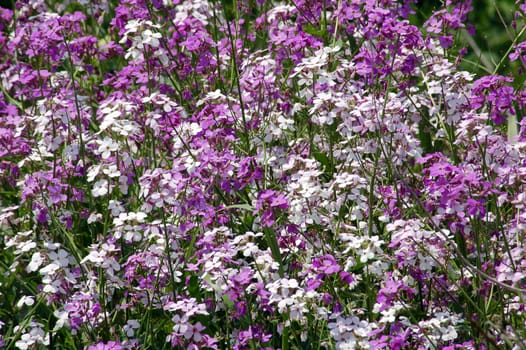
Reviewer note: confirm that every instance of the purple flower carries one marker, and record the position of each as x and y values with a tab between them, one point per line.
446	41
269	201
491	91
391	291
476	207
111	345
327	298
326	264
41	214
55	194
346	277
313	283
519	52
253	333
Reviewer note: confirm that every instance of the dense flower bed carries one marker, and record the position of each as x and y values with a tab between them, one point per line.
253	174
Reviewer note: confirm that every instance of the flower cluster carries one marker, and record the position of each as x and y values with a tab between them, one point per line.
257	175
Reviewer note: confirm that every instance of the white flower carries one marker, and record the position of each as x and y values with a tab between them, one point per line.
389	315
150	38
115	207
50	269
25	342
93	171
95	257
36	261
141	35
214	95
130	327
24	247
63	319
100	188
131	27
449	333
25	300
94	217
126	128
297	310
35	336
442	326
110	118
123	184
112	171
194	331
61	257
180	322
137	216
71	152
132	233
106	147
100	257
365	247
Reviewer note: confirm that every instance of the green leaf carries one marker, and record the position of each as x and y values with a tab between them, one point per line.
512	128
241	206
228	302
314	31
272	242
424	136
323	158
193	287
